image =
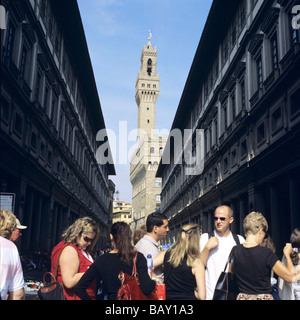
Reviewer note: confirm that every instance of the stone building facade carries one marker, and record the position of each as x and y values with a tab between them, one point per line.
243	91
146	188
50	115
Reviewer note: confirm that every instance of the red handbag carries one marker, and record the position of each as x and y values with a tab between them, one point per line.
160	291
130	286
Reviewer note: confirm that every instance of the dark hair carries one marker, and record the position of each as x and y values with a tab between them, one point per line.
155	218
122	235
295	241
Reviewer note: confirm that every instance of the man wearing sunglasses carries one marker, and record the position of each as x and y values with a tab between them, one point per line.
215	247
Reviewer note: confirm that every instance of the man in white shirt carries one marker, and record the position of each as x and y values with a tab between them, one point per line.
216	249
11	273
157	229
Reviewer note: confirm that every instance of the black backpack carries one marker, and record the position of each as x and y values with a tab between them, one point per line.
235	236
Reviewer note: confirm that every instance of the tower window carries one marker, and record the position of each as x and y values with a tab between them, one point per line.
149	67
148	121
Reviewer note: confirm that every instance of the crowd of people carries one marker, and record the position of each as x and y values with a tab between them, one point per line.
189	269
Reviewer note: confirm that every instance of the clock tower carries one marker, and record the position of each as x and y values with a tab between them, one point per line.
146	188
147	88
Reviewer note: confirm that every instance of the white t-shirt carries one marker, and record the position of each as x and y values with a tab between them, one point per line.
11	272
216	260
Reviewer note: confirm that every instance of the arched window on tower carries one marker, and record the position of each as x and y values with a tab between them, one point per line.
149	67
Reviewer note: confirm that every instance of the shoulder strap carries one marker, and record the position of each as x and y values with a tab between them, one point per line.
236	238
230	260
211	234
134	270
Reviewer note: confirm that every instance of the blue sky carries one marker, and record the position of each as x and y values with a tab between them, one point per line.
116	31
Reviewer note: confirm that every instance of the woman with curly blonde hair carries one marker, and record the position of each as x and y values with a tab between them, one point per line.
72	255
184	271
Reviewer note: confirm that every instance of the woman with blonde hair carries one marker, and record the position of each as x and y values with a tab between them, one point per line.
184	271
72	255
253	263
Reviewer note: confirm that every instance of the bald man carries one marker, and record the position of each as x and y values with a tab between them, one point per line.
215	248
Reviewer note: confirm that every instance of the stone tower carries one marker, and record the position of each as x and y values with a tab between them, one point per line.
146	188
147	88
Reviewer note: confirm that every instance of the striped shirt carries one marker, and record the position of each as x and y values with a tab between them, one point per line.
11	273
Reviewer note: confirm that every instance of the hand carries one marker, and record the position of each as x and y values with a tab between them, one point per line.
288	249
151	272
154	277
212	243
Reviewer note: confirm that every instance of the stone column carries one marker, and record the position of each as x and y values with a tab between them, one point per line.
243	213
21	198
275	214
37	223
204	222
29	201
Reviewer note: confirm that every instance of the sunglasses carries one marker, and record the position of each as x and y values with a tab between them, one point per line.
220	218
87	239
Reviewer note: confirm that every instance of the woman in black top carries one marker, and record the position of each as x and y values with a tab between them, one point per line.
184	273
253	263
108	266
